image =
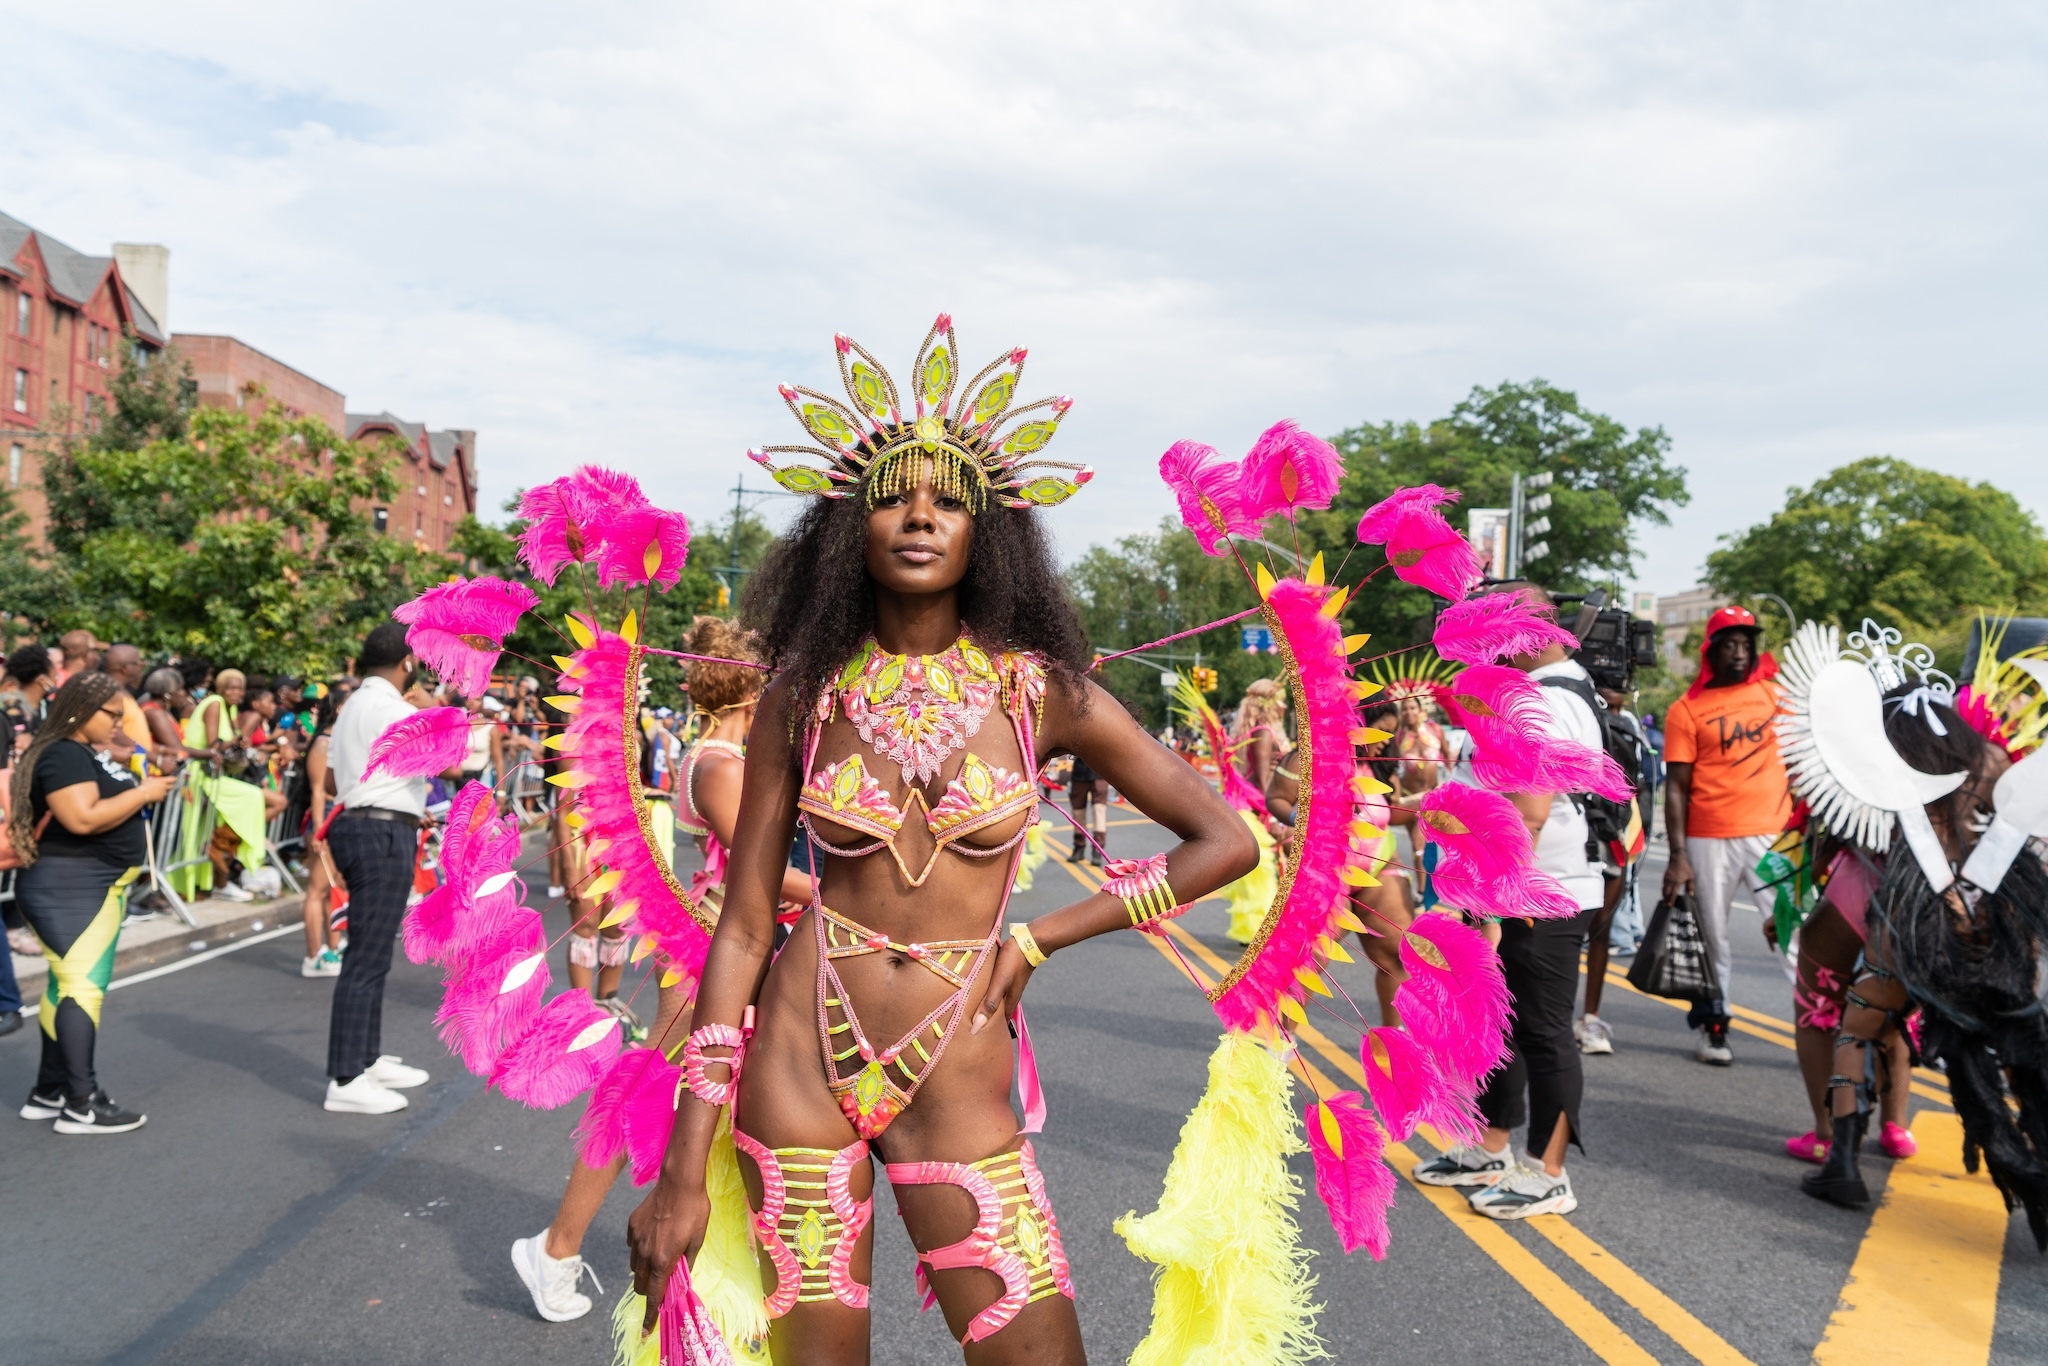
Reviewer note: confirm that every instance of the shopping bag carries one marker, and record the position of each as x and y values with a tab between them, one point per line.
1675	960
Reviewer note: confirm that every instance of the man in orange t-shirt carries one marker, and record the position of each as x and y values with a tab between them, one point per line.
1726	796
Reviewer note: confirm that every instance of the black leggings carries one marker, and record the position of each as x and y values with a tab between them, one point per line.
75	906
1541	963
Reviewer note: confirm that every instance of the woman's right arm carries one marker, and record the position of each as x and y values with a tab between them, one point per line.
669	1224
80	809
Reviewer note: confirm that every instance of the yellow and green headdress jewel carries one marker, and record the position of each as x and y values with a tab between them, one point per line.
971	450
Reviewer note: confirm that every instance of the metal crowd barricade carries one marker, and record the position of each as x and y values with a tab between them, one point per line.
165	838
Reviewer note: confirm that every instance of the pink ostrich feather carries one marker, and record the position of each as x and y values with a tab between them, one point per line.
433	922
1514	749
1497	626
1408	1090
1315	646
601	1133
648	1114
1480	826
543	1069
1527	892
429	741
567	517
630	541
1377	525
477	1016
597	749
1210	505
1455	1001
1287	468
1356	1186
458	628
1429	552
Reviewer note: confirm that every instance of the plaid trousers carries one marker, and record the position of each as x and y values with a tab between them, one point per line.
375	861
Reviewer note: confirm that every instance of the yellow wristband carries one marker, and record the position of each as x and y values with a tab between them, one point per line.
1032	955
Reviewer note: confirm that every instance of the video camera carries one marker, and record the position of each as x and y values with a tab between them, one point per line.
1612	644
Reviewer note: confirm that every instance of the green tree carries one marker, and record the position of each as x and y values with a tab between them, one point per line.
1609	481
1911	547
237	538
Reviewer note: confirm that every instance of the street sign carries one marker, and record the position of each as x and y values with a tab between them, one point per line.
1257	638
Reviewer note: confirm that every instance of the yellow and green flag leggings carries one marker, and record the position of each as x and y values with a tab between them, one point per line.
75	906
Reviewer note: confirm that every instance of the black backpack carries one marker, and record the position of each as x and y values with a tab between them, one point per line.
1607	820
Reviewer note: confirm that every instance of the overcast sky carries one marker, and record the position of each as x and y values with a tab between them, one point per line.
1792	235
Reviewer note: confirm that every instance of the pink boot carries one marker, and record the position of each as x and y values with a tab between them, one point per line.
1808	1148
1898	1143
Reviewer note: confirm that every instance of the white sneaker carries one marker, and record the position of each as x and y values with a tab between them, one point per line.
363	1096
391	1073
1593	1034
1713	1046
555	893
1459	1165
552	1282
1525	1193
328	964
228	891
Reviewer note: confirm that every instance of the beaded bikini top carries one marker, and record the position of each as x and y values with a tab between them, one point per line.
916	710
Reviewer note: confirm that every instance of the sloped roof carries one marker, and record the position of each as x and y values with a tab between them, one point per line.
441	448
74	276
411	431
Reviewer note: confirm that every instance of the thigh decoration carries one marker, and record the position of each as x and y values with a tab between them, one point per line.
809	1223
1015	1236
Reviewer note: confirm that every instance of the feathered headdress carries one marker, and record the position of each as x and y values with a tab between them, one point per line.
973	449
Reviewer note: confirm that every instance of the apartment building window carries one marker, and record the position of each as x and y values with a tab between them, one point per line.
381	519
22	311
419	524
14	466
21	391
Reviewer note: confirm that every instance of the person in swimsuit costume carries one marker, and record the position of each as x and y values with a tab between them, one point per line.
926	664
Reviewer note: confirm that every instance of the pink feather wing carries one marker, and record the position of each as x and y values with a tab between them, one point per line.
1407	1090
1429	552
1455	1001
544	1068
1377	524
629	542
429	741
1475	824
1207	491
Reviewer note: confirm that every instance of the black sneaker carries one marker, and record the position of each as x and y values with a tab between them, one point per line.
99	1116
44	1103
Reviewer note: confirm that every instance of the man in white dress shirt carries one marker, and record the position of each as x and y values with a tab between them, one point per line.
373	842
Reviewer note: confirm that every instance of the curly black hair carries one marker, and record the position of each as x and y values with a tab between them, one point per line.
813	603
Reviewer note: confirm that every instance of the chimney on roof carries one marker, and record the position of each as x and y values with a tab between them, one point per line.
147	269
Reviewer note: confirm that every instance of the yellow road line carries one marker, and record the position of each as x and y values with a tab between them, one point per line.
1925	1283
1927	1083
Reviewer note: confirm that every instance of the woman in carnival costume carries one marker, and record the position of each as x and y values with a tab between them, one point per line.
1879	750
925	661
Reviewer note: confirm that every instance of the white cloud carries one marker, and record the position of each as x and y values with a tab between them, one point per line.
1791	236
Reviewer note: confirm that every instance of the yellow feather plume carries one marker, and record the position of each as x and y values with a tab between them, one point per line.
1234	1282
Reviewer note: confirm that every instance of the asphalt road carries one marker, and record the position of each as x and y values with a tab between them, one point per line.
244	1224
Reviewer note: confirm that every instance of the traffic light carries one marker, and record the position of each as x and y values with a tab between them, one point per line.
724	596
1205	679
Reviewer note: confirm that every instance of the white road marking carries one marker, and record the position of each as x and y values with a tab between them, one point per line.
196	959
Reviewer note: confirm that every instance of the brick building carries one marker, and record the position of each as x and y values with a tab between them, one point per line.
228	372
63	318
436	480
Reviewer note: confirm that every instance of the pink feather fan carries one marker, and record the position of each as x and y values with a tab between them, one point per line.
1497	626
1356	1186
1287	468
560	1054
458	628
603	754
1514	747
1455	1001
1210	505
1318	891
569	519
1480	826
429	741
1407	1090
1377	525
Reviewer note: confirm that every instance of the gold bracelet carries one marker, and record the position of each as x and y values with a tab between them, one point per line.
1032	954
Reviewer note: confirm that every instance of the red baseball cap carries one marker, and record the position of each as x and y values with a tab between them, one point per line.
1731	617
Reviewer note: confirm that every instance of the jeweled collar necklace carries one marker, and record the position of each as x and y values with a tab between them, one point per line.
916	709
